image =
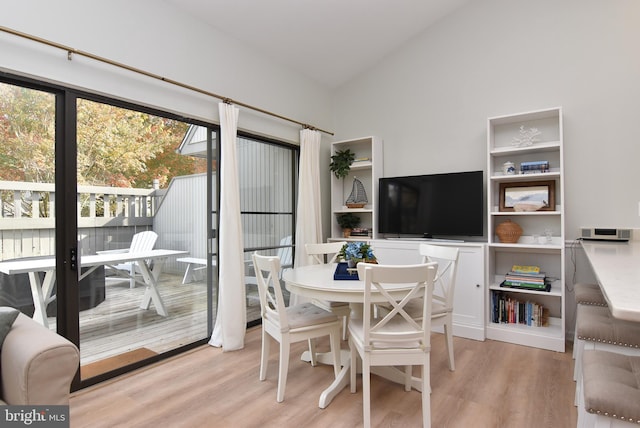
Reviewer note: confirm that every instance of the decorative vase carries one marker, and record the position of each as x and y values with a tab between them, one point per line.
508	168
346	233
508	232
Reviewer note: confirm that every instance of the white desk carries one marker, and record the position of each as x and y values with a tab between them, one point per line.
316	281
616	266
41	289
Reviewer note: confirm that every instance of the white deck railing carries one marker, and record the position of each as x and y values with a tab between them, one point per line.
32	206
27	217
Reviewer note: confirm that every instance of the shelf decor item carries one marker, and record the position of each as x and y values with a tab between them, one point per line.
356	252
358	196
528	196
508	168
347	222
341	162
508	232
534	167
527	137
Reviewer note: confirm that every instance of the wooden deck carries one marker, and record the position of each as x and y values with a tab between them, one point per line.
119	327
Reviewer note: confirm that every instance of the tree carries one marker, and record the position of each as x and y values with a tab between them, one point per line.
115	146
27	130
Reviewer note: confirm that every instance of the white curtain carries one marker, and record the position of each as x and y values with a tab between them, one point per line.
309	221
230	327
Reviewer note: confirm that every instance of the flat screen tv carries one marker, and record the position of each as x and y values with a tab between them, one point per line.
432	206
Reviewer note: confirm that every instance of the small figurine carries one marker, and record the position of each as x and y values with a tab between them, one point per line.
527	137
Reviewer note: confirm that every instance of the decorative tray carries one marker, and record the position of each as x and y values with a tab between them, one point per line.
345	273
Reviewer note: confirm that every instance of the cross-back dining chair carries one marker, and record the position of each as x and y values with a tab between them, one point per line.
443	291
285	254
323	253
394	338
288	325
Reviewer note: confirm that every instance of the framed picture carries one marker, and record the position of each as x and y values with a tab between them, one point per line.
528	196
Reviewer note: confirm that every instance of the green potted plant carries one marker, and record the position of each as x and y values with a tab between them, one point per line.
341	162
347	222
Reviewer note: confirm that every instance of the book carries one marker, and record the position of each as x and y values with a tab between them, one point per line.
534	167
513	274
527	285
525	269
508	310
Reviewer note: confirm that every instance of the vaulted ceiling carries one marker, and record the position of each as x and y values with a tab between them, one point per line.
329	41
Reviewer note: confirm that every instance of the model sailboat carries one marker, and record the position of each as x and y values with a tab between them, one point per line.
358	196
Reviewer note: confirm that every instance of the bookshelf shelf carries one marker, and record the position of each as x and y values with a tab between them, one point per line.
542	241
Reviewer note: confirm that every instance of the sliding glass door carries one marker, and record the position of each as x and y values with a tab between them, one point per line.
142	234
143	283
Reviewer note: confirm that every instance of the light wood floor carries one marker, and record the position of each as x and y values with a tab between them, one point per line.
495	385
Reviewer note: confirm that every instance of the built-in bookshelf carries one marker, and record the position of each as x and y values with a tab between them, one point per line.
525	186
367	168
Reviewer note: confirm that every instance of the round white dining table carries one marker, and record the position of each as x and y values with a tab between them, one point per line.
317	282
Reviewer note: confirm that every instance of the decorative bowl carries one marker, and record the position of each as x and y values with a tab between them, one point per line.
508	232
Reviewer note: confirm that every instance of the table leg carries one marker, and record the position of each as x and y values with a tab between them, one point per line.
340	382
188	274
40	308
151	292
41	293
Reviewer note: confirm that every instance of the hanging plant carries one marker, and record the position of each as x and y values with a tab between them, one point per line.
341	162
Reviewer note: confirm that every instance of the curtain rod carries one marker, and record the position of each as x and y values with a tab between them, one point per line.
71	51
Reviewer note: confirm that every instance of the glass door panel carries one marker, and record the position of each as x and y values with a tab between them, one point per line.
27	200
142	235
267	173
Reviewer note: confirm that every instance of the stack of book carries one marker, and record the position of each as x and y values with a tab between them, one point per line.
534	167
359	231
527	277
507	310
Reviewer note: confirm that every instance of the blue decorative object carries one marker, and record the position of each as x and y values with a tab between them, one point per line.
357	252
343	272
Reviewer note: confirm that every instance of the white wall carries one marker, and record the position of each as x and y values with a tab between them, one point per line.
155	37
430	100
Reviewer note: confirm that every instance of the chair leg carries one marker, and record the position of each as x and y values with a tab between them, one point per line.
408	373
448	332
426	394
132	272
366	392
283	368
352	367
264	358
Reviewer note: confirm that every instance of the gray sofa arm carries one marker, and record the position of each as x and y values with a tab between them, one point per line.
37	365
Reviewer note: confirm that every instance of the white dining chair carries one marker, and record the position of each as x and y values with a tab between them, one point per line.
395	338
288	325
443	292
325	253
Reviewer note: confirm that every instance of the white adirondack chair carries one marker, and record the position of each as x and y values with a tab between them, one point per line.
142	241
